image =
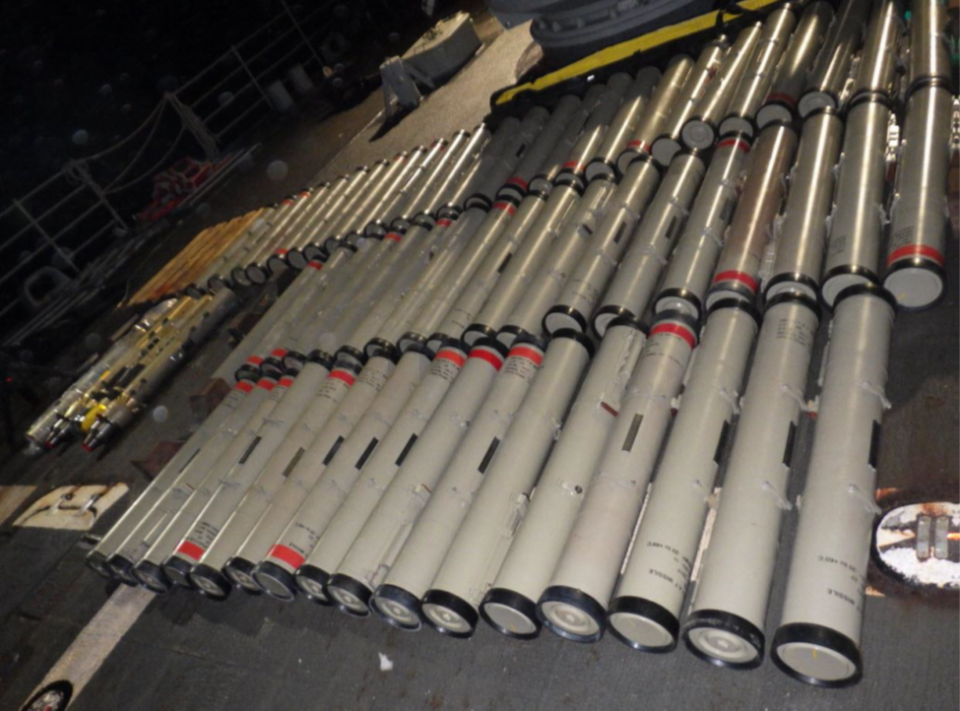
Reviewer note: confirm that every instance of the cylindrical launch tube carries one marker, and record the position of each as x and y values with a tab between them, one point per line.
729	604
410	575
818	640
929	44
574	603
499	504
378	224
858	217
668	144
510	605
829	74
701	131
790	78
803	224
918	214
688	274
638	273
375	548
756	80
645	611
877	71
738	270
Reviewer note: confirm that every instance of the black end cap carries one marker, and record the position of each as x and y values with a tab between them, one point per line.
122	569
794	297
871	289
514	600
722	620
351	352
566	311
478	331
314	575
616	312
279	584
458	605
355	588
402	598
321	358
244	567
641	607
97	562
177	571
383	348
152	577
586	603
822	637
212	579
792	278
739	305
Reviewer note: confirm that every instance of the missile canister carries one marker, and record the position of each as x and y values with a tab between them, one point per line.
547	173
790	78
684	286
929	60
657	110
877	71
574	603
756	80
375	548
300	238
918	213
701	131
802	231
818	640
668	144
379	223
377	474
829	74
637	275
319	199
510	605
729	603
623	124
859	215
313	234
645	610
581	294
738	269
397	599
498	506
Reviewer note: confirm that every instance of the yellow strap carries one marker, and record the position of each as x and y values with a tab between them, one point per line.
616	52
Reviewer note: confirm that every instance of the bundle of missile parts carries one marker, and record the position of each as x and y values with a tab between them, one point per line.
458	414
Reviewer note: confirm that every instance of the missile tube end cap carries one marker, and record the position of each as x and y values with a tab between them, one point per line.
275	581
816	655
383	348
916	284
564	318
476	332
511	614
349	595
312	582
240	572
397	608
97	562
643	625
572	614
724	639
210	582
152	577
449	614
841	278
122	569
178	571
606	316
791	281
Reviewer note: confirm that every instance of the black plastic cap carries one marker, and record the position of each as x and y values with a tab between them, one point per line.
476	331
240	570
210	582
310	576
275	581
321	358
400	597
569	311
456	604
792	278
608	314
97	562
641	607
152	577
122	569
351	353
383	348
822	637
729	622
515	601
583	602
355	588
177	571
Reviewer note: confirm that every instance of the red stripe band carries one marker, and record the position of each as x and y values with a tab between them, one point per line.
281	251
343	375
740	144
315	264
287	555
305	194
278	352
528	353
744	279
392	236
453	357
517	181
639	145
255	360
915	250
785	98
576	165
244	385
504	206
492	358
444	222
676	330
191	550
286	382
287	202
266	384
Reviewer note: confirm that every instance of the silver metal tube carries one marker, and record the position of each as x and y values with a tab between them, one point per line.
790	78
356	209
656	113
726	616
756	80
255	271
376	475
702	130
581	293
500	501
299	239
542	183
312	242
877	72
645	610
859	214
738	270
711	58
401	199
919	212
380	222
684	286
510	604
818	639
418	202
929	58
574	603
802	231
639	269
373	552
829	74
321	197
623	125
426	544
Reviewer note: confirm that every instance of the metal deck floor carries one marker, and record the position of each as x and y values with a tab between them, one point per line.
256	653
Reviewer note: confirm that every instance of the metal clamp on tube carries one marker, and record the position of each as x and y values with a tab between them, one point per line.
818	640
